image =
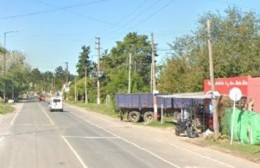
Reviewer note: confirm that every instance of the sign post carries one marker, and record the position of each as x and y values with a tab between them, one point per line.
235	94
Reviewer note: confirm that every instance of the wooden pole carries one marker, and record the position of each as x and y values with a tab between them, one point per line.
212	82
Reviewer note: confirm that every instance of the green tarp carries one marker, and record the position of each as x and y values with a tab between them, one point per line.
246	128
255	126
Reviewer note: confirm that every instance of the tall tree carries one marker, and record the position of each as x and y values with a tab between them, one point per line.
35	80
48	79
235	41
84	62
60	77
116	65
16	77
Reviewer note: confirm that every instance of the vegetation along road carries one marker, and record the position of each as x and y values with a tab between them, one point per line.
36	138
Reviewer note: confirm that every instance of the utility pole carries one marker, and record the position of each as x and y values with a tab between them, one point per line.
13	77
129	72
98	69
212	82
153	63
66	76
53	84
86	92
154	80
75	89
151	78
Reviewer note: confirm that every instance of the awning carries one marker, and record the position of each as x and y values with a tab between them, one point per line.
181	100
197	95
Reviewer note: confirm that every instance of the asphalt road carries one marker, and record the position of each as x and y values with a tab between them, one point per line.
33	137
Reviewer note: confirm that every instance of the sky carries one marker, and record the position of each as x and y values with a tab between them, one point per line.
52	32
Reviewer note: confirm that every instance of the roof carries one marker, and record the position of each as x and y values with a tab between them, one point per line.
197	95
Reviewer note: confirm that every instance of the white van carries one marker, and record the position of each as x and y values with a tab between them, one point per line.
56	104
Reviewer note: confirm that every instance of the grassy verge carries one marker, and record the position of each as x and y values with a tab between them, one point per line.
8	108
101	108
158	124
250	152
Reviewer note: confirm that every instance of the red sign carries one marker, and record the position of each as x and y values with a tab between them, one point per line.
224	85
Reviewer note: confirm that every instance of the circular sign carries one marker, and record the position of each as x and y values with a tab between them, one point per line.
235	94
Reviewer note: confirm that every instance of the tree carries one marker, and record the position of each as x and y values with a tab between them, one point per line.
84	62
235	42
116	63
35	80
16	76
60	77
48	79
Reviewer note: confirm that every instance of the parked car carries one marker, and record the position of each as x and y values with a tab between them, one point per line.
41	98
56	104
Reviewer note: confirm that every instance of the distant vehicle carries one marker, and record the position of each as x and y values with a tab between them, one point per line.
56	104
41	98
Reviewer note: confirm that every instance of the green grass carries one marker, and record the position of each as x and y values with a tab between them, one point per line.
8	108
101	108
167	123
248	151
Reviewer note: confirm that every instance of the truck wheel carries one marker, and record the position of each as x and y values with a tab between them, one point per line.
134	116
148	116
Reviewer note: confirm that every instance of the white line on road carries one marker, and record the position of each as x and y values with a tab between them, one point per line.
16	114
91	137
129	142
1	139
203	156
35	124
43	110
74	152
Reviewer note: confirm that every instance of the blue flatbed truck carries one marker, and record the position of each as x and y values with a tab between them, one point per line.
140	106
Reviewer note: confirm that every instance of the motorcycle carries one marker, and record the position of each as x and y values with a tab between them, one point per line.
185	127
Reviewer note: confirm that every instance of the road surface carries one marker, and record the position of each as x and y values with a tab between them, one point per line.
33	137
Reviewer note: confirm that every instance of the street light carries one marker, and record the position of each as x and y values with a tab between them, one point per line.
4	75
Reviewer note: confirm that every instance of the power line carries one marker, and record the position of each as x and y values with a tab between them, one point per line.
129	20
78	14
51	10
154	13
139	6
148	17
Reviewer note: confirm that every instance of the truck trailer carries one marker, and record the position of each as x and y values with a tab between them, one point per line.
140	106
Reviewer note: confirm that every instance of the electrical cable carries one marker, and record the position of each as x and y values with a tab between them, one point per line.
51	10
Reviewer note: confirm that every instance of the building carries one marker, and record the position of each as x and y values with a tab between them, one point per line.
250	88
